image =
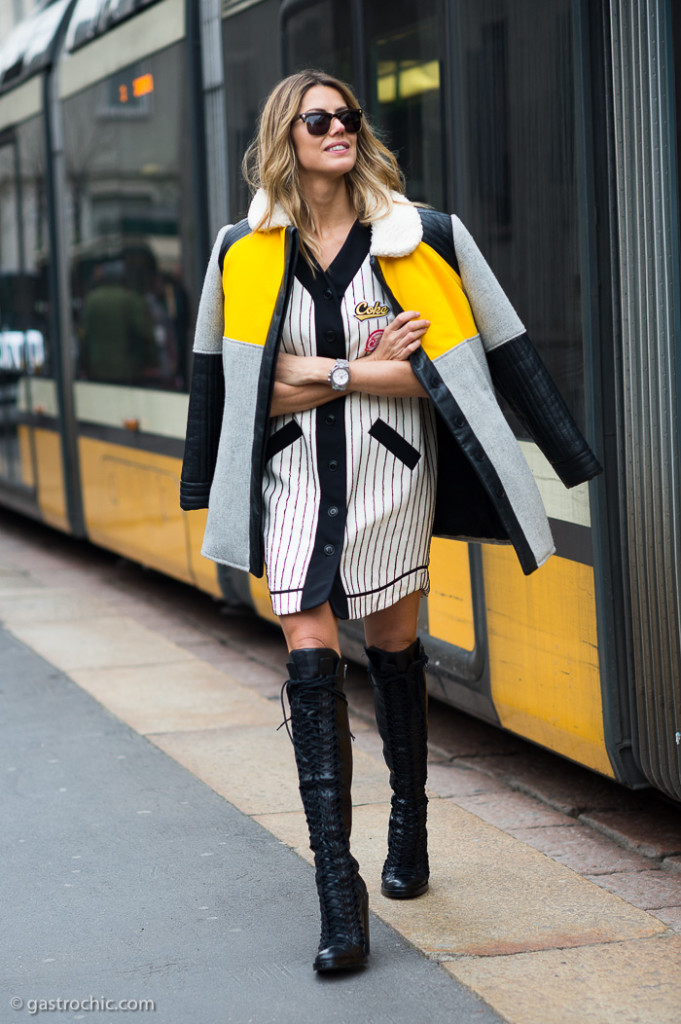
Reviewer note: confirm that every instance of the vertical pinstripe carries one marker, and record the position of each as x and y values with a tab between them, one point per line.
390	507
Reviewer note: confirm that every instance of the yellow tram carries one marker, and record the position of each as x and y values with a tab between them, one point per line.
552	129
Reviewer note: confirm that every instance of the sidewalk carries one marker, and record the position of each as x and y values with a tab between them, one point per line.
152	915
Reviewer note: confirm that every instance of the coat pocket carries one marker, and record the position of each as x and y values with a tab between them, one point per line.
282	438
395	443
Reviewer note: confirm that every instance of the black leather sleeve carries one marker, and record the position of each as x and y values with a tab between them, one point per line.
519	374
204	422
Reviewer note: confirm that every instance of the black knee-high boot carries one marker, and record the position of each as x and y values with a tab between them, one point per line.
400	699
321	740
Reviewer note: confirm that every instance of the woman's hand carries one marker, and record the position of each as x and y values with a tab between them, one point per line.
401	337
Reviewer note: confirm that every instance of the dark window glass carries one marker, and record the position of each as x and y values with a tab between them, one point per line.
516	166
252	67
131	224
319	35
24	309
92	17
404	51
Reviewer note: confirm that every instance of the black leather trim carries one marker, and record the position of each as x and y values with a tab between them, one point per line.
471	501
264	401
395	443
437	233
204	424
520	376
237	231
282	438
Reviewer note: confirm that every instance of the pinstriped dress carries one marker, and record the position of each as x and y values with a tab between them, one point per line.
349	487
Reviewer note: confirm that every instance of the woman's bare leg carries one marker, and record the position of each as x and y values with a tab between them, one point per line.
315	627
394	628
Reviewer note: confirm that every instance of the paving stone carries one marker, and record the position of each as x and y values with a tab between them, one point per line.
670	916
654	831
100	642
619	983
490	896
646	889
509	810
581	849
457	734
453	780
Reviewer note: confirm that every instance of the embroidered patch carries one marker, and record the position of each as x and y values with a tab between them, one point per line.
363	311
373	340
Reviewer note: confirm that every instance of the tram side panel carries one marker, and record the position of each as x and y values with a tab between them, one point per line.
133	278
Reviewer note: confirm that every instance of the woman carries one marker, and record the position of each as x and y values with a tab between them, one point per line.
332	427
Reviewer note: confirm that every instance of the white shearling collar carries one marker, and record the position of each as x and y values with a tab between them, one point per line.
395	233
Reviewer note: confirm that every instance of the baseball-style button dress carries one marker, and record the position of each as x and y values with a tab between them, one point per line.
349	487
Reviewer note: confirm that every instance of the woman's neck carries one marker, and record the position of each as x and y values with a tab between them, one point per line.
330	206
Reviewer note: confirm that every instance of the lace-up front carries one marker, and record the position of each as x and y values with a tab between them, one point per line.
400	700
321	741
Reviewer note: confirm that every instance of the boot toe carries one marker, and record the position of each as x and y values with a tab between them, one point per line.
397	887
341	958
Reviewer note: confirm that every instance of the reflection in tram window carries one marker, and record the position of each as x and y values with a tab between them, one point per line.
318	33
24	310
131	225
252	66
517	168
404	65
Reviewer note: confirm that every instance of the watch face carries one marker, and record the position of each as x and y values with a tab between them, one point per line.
340	378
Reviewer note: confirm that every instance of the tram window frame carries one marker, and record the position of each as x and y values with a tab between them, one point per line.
141	248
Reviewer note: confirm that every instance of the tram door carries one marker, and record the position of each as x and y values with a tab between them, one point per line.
21	312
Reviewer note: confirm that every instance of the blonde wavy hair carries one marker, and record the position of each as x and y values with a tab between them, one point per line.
270	160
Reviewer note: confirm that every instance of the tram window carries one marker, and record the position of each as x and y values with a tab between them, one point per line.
516	166
252	67
24	241
318	34
24	309
405	86
131	224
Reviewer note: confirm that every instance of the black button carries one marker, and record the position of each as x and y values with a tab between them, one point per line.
479	454
333	465
330	335
458	421
331	418
329	549
333	511
328	294
500	493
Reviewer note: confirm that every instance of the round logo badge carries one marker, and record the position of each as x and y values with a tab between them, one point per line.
372	341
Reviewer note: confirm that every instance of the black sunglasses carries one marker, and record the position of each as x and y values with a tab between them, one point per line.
318	122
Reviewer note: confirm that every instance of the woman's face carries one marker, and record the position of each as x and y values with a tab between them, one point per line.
333	154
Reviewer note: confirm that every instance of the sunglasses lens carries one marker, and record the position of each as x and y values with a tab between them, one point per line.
318	124
351	120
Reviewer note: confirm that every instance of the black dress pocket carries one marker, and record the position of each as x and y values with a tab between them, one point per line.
395	443
282	438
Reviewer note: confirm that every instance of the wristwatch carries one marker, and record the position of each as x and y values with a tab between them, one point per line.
339	375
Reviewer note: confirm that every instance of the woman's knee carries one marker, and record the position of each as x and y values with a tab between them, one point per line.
395	628
315	627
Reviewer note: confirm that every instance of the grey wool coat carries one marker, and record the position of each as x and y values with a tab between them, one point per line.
485	491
